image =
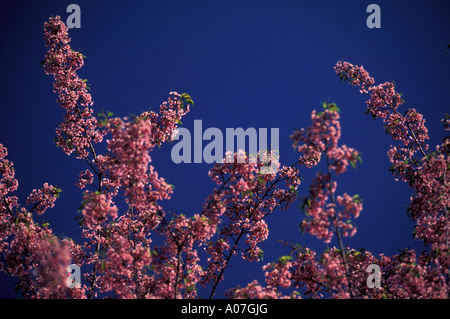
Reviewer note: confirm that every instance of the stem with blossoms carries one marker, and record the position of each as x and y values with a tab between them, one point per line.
322	138
338	231
249	198
407	122
227	260
178	247
427	175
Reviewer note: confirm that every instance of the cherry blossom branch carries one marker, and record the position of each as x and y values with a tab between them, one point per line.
283	174
338	231
408	124
219	277
91	292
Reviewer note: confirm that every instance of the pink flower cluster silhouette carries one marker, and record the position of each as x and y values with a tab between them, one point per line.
322	206
79	130
427	174
119	255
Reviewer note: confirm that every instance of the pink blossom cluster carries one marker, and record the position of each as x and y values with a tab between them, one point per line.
43	198
341	273
8	182
85	178
245	198
36	257
324	217
30	251
127	239
426	174
79	129
114	242
355	75
402	276
302	269
411	276
8	203
97	210
118	246
381	95
164	124
446	122
254	291
322	138
177	270
322	135
409	128
127	255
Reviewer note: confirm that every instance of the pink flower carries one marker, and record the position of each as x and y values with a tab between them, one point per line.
86	177
80	128
43	198
97	209
8	182
254	291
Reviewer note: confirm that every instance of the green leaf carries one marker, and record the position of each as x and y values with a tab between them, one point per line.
56	191
358	158
305	203
356	198
284	259
330	106
186	98
293	190
260	180
261	254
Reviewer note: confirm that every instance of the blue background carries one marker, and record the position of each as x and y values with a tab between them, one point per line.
259	64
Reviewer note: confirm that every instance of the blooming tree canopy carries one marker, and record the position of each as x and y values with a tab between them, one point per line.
118	254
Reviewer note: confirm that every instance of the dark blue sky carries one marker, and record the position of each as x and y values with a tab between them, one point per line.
259	64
